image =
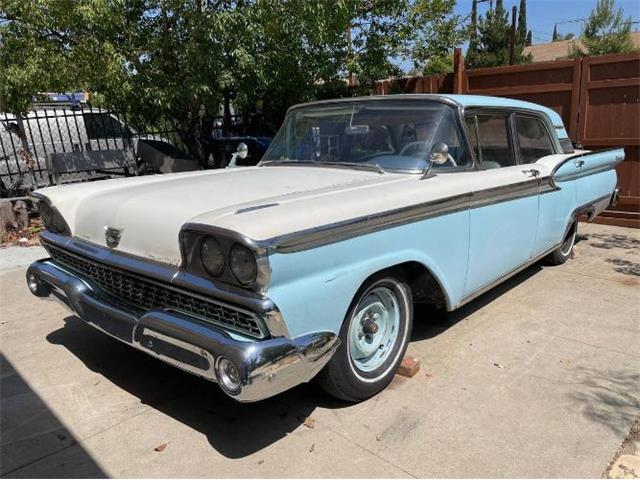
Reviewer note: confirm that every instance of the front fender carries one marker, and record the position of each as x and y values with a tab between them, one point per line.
314	288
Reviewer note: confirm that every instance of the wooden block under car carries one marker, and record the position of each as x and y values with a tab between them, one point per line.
409	367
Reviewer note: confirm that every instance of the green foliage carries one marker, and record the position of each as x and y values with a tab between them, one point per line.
436	31
491	48
605	31
174	61
440	64
521	32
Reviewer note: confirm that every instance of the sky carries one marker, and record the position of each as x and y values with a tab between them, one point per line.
542	15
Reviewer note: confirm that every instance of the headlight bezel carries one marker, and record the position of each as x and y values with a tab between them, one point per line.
51	218
191	237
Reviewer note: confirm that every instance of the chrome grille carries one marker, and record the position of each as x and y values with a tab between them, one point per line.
144	295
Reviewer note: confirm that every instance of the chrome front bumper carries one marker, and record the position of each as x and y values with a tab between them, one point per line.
266	367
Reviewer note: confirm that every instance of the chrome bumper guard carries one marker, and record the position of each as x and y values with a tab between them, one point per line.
266	367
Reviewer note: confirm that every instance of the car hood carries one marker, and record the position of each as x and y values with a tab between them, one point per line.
259	202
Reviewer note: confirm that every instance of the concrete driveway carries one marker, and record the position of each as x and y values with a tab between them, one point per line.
538	378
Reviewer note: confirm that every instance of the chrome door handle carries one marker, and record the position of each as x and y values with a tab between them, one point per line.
532	172
578	163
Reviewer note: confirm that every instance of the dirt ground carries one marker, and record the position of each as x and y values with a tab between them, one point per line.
539	377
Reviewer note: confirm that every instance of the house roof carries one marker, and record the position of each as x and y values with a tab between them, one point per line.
545	52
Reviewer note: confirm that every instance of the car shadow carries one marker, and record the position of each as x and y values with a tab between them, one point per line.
234	429
429	322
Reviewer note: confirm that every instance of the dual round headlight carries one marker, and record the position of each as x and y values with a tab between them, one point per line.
51	219
242	261
243	265
212	256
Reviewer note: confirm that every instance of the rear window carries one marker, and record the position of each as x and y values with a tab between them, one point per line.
533	139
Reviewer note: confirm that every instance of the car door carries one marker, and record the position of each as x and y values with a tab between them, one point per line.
504	205
534	141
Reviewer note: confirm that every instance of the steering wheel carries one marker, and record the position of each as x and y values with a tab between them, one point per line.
419	146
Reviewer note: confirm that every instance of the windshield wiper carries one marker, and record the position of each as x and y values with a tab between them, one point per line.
361	166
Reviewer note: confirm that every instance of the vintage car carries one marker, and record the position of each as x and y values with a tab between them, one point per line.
309	264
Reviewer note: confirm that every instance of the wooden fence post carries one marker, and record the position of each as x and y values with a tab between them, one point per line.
458	71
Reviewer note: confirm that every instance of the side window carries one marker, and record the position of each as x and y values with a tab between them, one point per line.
102	125
533	139
495	141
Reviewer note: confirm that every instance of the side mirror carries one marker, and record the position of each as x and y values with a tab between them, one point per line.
439	156
242	150
439	153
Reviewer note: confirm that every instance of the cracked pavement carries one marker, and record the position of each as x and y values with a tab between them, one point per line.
539	377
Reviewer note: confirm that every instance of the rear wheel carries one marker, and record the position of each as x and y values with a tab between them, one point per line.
563	252
374	338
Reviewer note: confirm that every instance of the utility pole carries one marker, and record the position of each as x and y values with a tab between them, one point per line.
512	43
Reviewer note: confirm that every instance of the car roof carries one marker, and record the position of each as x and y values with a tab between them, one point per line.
464	101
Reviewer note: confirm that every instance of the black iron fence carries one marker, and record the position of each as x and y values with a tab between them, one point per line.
32	145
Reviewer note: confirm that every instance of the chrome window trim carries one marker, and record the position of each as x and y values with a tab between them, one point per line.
458	116
522	111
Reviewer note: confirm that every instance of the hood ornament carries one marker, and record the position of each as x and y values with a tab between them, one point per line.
112	236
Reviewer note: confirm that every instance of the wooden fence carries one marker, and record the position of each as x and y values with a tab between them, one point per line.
598	99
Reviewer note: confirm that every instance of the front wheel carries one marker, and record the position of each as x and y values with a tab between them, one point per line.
563	252
374	336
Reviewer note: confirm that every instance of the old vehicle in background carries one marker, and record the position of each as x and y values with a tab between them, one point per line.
60	143
309	264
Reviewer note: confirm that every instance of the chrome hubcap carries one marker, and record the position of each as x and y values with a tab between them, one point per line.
374	329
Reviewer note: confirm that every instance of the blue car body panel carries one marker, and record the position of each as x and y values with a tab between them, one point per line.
465	251
332	274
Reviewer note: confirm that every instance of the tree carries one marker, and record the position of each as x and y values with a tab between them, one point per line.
605	31
441	64
555	37
436	31
529	39
473	27
494	33
521	33
174	61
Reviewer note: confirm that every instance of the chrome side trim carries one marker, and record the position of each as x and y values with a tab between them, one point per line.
339	231
588	209
475	294
570	158
586	173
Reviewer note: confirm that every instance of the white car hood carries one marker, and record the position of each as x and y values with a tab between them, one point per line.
151	210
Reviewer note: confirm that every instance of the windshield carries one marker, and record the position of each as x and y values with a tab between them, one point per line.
381	134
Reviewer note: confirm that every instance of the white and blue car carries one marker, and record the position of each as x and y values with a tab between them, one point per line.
309	264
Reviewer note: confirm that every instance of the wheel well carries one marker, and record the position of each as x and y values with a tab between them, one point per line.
425	288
